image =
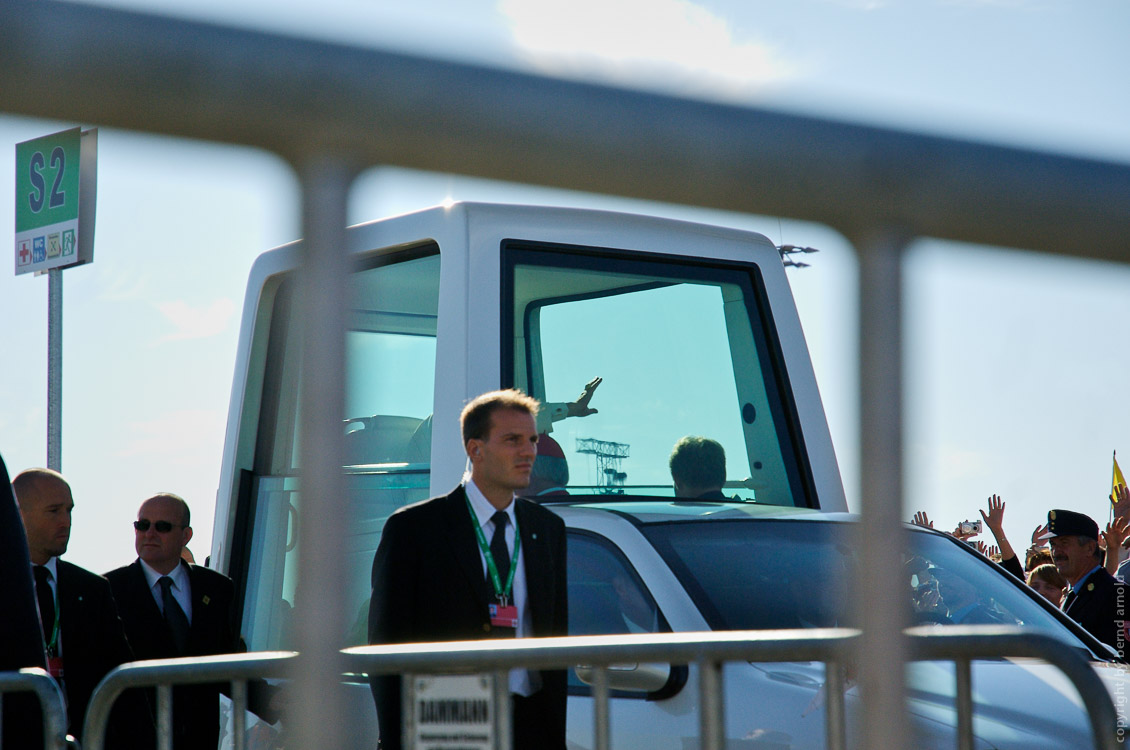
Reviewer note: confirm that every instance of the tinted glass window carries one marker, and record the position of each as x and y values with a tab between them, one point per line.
681	350
390	371
760	575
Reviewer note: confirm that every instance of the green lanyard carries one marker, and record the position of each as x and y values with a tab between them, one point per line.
53	644
502	594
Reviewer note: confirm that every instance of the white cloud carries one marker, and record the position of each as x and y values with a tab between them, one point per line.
196	322
676	41
187	437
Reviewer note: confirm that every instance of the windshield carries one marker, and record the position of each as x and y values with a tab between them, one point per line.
759	575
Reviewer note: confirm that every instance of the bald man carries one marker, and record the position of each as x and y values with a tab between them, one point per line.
81	630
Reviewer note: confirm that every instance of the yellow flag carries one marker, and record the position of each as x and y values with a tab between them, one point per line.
1116	481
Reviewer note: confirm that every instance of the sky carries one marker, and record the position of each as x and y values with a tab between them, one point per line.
1015	364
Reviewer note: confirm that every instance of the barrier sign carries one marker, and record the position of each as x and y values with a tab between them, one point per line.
449	712
56	183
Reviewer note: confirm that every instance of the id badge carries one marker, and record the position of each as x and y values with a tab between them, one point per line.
55	666
504	617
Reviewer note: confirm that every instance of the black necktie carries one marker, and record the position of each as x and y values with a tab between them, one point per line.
1069	600
174	615
46	600
498	548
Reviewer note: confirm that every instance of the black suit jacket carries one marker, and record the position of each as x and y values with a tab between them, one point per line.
21	640
1101	608
428	585
93	641
196	708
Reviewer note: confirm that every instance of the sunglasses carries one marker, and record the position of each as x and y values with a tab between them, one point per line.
163	527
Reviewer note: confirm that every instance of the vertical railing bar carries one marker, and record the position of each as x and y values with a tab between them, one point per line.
835	722
239	713
502	723
964	674
319	715
601	709
165	717
881	600
711	723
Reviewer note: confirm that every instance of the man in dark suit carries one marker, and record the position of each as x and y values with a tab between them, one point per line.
1095	599
437	578
21	638
81	630
171	608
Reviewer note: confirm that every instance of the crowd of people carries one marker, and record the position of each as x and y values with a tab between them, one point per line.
1071	562
160	606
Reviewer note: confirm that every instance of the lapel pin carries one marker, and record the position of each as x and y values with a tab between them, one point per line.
205	600
1090	587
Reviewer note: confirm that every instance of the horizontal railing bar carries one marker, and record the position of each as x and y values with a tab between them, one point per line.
299	96
826	645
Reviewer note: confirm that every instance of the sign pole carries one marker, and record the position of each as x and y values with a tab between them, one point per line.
56	188
55	369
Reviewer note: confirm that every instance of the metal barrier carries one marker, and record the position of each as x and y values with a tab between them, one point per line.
331	110
51	700
708	650
164	673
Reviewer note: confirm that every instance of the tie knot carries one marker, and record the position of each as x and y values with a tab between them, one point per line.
42	574
500	519
165	582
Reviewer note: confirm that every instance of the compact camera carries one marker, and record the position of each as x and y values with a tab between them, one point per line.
970	528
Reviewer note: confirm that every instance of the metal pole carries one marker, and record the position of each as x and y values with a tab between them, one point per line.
601	709
165	717
712	724
964	673
835	722
882	595
319	711
503	724
55	369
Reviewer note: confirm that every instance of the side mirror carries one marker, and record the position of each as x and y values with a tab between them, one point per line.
643	678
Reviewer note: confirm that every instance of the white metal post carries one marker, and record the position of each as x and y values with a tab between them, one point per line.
882	594
319	712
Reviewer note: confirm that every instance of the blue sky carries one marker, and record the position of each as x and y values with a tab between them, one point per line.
1016	362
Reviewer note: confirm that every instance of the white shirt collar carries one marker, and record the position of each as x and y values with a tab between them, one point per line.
179	574
483	508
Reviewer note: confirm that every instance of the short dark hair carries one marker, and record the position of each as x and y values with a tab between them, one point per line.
698	462
185	513
475	420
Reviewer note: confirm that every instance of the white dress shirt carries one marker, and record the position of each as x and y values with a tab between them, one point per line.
182	590
522	681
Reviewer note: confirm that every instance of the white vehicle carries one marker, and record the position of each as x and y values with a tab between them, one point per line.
692	328
655	566
693	331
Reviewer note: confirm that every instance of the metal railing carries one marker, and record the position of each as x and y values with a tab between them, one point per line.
333	109
51	701
708	651
162	674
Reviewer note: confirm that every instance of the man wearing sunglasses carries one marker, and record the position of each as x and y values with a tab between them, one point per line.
171	608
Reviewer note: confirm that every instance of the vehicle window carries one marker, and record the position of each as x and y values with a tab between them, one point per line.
682	352
760	575
390	371
606	597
